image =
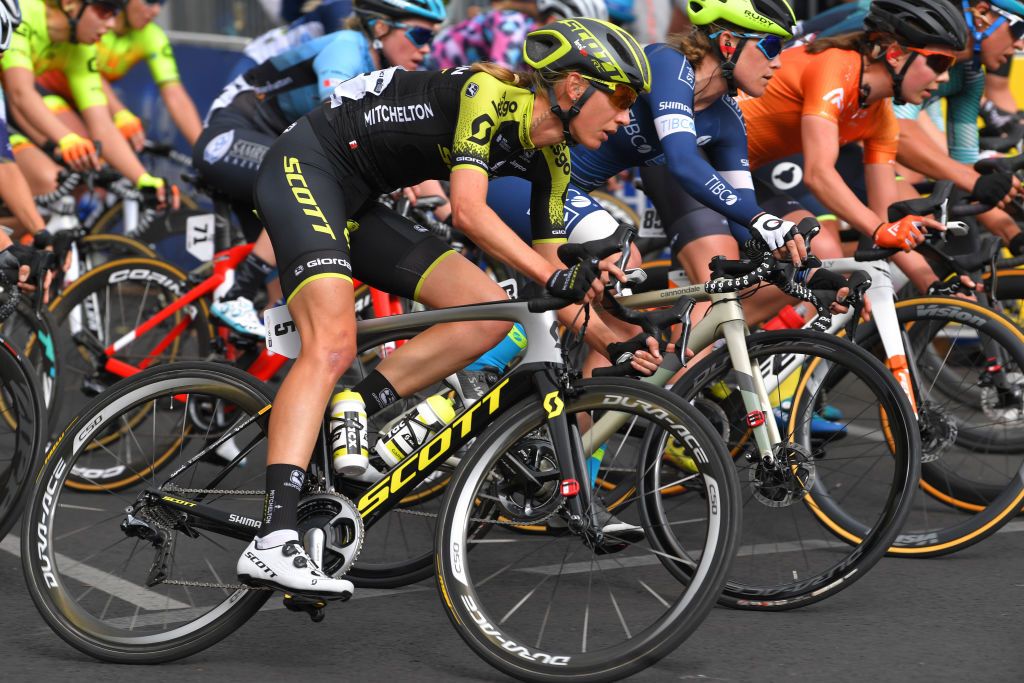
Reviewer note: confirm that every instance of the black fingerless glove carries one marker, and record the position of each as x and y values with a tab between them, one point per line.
572	284
621	352
990	189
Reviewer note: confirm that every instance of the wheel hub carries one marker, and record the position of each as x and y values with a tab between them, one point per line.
1004	405
938	431
785	481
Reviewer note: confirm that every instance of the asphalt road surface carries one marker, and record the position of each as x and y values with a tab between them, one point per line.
948	619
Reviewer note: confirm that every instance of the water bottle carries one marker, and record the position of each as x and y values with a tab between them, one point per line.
348	433
412	429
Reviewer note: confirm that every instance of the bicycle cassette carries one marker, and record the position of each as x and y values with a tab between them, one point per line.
343	532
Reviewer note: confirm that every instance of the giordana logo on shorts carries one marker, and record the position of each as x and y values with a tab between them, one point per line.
721	190
218	147
326	262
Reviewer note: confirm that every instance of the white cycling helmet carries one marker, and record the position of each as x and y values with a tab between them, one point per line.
595	9
10	19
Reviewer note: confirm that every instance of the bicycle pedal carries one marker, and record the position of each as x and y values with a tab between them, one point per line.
314	607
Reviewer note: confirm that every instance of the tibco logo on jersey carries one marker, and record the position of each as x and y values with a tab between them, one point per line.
721	190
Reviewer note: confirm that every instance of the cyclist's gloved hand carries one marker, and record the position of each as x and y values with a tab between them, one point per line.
166	193
779	234
994	189
905	234
60	243
130	127
830	288
79	153
21	262
575	284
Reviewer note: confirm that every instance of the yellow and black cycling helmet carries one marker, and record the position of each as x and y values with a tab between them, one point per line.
601	52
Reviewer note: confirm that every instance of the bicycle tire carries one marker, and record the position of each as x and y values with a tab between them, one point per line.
22	433
496	641
814	509
161	284
956	511
122	640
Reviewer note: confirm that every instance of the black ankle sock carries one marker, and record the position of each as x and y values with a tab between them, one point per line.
280	506
249	277
377	391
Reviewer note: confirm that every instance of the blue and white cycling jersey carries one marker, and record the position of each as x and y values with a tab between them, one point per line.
293	83
327	18
662	129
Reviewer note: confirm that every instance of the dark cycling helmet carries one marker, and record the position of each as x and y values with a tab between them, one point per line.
431	10
917	23
759	16
10	19
597	50
595	9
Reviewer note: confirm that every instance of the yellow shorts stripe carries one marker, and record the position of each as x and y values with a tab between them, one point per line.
428	271
316	277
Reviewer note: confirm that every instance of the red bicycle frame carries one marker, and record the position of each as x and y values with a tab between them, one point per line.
265	366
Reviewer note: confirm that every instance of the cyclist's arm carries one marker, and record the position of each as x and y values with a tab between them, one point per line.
116	150
882	191
671	105
821	150
28	105
919	152
182	109
472	216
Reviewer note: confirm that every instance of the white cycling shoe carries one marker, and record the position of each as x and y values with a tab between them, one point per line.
240	315
287	567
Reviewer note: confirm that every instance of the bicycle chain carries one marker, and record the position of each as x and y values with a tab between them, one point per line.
174	488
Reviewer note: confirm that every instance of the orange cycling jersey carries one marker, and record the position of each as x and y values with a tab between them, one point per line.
826	85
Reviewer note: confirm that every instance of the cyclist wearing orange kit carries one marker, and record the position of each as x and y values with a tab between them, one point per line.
134	38
836	91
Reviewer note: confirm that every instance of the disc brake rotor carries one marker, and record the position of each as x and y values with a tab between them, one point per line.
786	481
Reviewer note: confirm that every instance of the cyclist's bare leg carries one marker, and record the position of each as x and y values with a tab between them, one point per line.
324	315
443	349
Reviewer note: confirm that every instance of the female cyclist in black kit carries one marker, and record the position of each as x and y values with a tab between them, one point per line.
316	193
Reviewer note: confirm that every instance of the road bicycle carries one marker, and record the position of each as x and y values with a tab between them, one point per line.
22	420
585	604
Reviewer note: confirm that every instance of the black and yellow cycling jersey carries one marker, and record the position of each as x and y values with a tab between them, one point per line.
399	128
381	131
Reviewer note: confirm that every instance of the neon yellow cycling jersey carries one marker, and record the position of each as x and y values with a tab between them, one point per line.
31	48
119	53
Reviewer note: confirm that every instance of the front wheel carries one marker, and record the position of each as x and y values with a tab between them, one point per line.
554	607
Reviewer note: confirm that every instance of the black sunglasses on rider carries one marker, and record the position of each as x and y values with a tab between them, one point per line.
154	2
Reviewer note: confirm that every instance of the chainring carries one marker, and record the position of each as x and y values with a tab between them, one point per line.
342	525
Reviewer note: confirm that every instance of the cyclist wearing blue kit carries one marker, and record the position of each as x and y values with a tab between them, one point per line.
687	115
325	18
256	107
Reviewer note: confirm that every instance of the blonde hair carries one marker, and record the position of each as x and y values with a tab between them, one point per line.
521	79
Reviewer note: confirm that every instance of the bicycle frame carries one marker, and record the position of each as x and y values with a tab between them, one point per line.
538	376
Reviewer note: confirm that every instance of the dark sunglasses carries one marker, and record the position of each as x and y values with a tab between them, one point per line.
1015	23
620	95
939	62
154	2
770	46
417	35
105	10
